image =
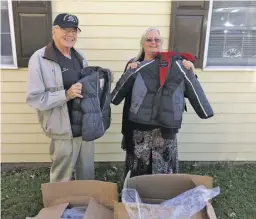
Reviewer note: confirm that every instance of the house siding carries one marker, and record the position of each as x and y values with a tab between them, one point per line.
110	36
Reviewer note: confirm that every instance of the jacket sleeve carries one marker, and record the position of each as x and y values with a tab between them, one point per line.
185	95
195	94
123	86
37	96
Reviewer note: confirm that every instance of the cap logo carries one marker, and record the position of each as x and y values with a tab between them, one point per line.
70	18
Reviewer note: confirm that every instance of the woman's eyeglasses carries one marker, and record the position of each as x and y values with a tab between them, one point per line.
149	40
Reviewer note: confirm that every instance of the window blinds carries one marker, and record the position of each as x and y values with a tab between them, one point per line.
232	40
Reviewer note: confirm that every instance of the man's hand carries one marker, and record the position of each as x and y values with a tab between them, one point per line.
188	65
74	91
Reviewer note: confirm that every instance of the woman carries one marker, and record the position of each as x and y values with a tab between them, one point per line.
147	152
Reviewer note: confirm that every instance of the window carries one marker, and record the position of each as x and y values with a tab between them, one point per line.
221	34
231	34
8	50
25	28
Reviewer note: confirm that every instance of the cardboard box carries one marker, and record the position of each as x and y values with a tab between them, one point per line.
102	197
154	189
97	195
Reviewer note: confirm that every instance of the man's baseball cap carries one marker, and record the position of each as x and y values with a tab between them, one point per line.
65	20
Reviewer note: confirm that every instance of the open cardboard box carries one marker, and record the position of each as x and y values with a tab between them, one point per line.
102	197
98	196
154	189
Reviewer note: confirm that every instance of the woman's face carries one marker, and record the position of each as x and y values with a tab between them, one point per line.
152	43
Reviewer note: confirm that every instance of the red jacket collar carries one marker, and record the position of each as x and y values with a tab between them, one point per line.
184	55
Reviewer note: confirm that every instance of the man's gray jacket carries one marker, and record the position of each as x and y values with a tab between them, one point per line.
161	106
46	94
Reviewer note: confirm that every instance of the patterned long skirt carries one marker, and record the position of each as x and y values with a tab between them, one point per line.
152	154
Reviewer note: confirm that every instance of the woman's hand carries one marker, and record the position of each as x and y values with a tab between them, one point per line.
133	65
188	65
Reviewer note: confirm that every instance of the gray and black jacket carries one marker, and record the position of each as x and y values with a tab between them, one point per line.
92	114
161	106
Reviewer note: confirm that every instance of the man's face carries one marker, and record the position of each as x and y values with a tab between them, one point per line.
66	37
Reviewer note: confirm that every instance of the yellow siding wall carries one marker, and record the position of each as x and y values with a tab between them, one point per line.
110	36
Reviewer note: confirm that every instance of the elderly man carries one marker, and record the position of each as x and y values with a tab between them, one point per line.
53	73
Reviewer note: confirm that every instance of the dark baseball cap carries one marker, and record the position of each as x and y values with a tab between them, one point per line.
65	20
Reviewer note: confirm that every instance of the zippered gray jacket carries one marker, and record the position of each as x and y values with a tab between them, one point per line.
161	106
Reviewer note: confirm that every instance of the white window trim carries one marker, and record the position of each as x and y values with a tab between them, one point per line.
14	54
218	68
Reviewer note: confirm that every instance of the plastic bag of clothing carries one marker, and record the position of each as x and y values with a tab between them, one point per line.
191	201
138	210
183	206
74	213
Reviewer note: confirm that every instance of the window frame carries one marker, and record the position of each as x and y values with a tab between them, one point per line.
12	32
206	47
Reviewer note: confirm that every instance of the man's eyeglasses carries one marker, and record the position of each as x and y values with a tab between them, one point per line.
69	30
149	40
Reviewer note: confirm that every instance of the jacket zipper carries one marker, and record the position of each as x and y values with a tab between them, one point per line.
99	100
168	72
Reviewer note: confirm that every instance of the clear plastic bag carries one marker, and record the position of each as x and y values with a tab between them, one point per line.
74	213
183	206
191	201
138	210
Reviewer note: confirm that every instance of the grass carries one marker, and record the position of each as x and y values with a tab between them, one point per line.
21	195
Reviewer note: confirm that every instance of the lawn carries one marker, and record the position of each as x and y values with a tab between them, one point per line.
21	195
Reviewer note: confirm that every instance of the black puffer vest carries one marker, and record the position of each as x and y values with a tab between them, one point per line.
92	114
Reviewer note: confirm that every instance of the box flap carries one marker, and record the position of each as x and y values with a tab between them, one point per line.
210	211
75	200
98	211
201	215
53	212
120	211
207	181
79	192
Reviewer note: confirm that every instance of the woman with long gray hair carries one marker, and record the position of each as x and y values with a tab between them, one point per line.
147	151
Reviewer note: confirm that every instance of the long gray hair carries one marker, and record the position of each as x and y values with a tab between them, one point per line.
143	39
